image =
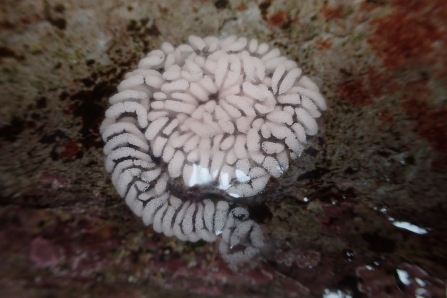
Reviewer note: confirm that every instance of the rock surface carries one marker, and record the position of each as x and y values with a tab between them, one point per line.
364	207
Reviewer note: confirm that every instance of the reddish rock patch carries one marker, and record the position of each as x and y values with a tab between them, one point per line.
380	82
412	99
337	220
432	126
354	92
440	161
70	150
241	7
418	35
367	6
68	110
417	6
408	43
43	253
278	19
330	13
324	44
429	14
431	123
385	116
373	83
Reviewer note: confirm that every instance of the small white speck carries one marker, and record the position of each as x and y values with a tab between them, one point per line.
338	294
420	282
408	226
403	276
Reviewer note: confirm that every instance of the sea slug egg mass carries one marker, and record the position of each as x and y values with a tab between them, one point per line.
228	112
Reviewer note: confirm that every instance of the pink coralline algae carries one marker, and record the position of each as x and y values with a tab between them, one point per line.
43	253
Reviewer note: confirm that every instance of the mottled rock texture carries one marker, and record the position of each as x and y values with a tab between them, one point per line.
380	158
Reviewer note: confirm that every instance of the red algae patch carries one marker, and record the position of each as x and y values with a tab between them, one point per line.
414	34
432	126
324	44
431	123
362	90
70	150
278	19
330	13
43	253
354	92
380	82
336	220
241	7
401	40
386	116
412	102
